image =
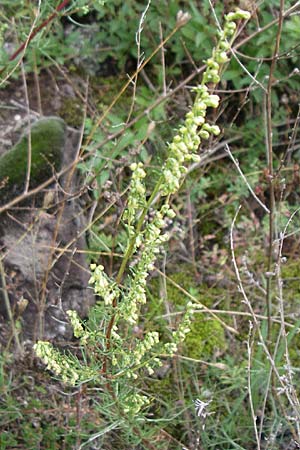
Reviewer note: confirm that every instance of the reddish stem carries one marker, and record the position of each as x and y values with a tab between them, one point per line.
38	28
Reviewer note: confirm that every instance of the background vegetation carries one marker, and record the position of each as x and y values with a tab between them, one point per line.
234	245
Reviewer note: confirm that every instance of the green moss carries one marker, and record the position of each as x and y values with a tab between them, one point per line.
291	297
105	89
205	338
47	143
207	335
290	276
71	111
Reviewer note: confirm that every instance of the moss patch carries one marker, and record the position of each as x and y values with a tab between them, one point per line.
71	111
207	336
47	142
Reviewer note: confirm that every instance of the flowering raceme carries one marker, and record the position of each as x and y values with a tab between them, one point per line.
184	147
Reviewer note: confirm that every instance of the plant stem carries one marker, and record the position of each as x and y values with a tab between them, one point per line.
8	309
139	225
125	260
271	172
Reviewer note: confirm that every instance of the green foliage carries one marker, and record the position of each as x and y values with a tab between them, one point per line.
262	47
117	152
102	242
51	43
117	41
32	417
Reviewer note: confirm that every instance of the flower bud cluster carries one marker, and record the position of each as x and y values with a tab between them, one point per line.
103	286
78	330
219	55
136	198
152	364
144	346
134	403
188	138
237	15
184	328
56	362
128	361
152	240
76	324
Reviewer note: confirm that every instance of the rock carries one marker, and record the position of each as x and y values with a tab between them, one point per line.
52	275
42	248
47	142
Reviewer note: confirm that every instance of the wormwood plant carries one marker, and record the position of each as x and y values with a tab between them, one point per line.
114	356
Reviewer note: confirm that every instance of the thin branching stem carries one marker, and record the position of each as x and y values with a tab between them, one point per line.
262	341
250	342
269	142
9	309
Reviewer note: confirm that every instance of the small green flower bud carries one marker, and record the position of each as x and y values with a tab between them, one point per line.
212	64
215	130
211	76
199	107
195	158
242	14
239	14
213	101
183	170
190	115
177	154
224	45
173	164
177	139
204	134
150	370
189	122
199	120
133	166
189	143
173	147
196	141
170	213
182	147
183	130
230	17
230	28
139	188
201	89
221	57
207	127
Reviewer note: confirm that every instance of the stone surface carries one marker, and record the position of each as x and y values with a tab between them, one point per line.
42	245
47	140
